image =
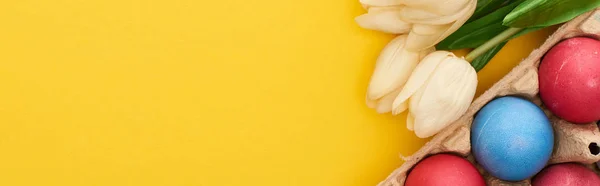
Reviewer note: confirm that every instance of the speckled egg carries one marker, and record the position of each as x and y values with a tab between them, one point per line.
569	76
567	174
512	138
444	169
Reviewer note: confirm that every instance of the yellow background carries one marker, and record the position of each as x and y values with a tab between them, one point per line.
187	92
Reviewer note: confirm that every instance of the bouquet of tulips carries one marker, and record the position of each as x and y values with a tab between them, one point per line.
437	87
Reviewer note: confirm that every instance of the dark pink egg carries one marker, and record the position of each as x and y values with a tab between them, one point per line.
444	169
568	174
569	77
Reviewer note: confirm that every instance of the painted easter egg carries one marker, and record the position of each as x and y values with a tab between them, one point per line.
567	174
444	169
569	77
511	138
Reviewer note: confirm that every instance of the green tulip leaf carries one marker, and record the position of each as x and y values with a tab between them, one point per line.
474	34
525	31
480	62
485	7
473	39
544	13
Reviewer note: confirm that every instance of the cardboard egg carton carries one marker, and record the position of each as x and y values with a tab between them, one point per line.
573	143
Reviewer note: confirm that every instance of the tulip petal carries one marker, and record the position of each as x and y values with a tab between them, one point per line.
412	14
424	36
470	9
366	7
393	68
424	127
410	122
420	16
428	30
400	108
371	103
426	52
381	2
378	9
415	99
440	7
446	97
419	76
385	19
384	105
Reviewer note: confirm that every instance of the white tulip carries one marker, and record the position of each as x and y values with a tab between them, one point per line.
439	91
392	70
427	21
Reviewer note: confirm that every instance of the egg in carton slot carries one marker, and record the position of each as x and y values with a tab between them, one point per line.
573	143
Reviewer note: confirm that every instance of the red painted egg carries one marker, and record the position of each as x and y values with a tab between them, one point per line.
444	169
568	174
569	77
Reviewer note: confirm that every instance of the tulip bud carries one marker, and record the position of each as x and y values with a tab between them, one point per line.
439	91
392	70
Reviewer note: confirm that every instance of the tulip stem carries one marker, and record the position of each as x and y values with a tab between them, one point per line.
492	42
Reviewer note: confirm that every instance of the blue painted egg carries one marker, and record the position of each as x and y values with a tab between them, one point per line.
511	138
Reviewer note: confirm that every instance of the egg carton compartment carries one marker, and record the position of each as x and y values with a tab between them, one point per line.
573	143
